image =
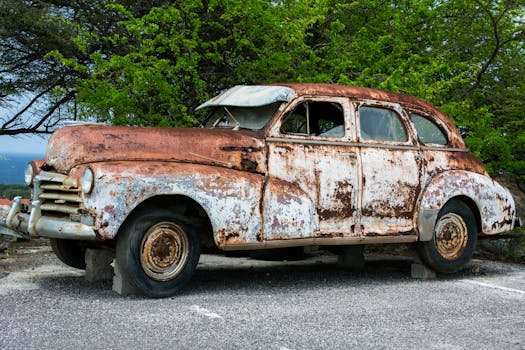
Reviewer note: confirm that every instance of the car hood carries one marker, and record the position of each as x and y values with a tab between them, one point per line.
76	145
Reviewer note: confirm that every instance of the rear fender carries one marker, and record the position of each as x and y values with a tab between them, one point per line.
494	203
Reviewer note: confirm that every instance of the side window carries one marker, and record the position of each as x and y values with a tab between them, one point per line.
296	123
428	131
323	119
381	124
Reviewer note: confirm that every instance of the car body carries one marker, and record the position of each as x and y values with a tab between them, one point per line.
285	165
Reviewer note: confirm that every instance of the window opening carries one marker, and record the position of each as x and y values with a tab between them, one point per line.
323	119
428	131
381	124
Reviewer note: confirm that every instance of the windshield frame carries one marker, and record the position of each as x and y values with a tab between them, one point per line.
218	113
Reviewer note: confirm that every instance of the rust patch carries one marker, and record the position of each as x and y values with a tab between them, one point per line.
232	235
345	202
249	165
110	209
74	145
385	208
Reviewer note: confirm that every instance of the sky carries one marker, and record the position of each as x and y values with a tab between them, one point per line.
23	144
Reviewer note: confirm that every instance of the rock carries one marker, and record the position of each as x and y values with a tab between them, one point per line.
501	248
421	271
98	265
352	257
5	240
120	285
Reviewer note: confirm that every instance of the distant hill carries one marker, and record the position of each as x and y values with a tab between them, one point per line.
12	167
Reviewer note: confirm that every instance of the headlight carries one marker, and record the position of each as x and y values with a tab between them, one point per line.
87	181
29	174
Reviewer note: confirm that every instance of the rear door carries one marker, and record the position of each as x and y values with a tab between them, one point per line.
391	166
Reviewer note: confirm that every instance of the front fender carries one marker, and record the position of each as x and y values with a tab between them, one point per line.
230	197
494	202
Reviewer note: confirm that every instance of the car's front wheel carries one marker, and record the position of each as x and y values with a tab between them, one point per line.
157	252
70	252
454	239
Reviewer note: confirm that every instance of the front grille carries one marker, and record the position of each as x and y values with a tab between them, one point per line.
58	194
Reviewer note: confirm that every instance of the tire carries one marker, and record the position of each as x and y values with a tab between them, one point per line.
454	239
157	252
70	252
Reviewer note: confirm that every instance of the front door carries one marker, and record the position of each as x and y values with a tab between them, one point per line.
312	184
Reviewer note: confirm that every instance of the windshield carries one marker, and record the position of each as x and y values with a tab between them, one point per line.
232	117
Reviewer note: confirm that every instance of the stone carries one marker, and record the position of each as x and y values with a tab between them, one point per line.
5	240
98	265
120	285
352	257
418	270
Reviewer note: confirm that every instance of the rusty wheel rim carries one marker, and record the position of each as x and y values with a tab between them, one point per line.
451	236
164	251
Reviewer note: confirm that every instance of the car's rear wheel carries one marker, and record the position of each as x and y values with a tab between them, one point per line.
157	252
70	252
454	239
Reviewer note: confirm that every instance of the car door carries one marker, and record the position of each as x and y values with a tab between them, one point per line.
391	165
312	171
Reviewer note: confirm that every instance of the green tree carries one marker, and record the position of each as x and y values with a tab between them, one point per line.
37	91
136	64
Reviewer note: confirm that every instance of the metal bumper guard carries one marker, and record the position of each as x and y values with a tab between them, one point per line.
24	225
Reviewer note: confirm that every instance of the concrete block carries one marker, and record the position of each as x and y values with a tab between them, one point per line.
5	242
421	271
120	285
98	264
352	257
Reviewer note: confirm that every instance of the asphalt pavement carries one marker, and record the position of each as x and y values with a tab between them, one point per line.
241	303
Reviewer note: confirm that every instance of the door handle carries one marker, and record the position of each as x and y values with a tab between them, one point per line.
349	155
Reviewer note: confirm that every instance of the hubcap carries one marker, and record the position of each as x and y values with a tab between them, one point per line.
164	251
451	236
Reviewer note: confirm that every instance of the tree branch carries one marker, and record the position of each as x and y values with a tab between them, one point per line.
494	21
31	103
52	110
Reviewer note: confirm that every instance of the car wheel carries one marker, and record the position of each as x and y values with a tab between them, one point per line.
157	252
454	239
70	252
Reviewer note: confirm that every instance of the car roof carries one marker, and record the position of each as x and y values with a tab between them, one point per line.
302	89
410	102
258	95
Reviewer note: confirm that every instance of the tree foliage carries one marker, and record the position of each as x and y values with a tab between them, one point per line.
11	191
152	63
37	91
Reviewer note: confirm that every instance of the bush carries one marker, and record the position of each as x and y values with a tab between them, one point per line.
11	191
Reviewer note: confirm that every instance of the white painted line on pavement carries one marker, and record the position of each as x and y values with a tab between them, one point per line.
494	286
205	312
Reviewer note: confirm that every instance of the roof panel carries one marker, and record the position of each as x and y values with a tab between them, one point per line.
250	96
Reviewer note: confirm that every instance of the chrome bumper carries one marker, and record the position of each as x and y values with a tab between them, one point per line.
24	225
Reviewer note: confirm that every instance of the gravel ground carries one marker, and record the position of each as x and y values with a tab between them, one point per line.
240	303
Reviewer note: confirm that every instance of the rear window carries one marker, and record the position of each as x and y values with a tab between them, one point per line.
428	131
381	124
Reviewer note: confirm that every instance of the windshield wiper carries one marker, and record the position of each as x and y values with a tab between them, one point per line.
236	127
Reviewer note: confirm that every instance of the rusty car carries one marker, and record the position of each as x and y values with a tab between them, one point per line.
271	166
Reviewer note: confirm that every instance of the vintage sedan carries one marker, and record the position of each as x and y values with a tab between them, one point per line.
287	165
